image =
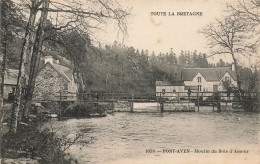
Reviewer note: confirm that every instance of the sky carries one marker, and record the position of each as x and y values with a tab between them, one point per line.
161	33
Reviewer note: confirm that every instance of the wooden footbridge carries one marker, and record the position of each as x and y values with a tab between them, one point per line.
179	101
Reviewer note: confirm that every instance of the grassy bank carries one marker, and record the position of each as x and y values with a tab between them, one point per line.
30	145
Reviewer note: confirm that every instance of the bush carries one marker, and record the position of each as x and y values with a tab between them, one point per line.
83	109
29	142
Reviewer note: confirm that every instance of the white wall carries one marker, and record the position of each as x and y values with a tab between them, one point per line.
169	89
206	86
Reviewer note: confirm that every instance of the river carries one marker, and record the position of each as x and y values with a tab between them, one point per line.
141	137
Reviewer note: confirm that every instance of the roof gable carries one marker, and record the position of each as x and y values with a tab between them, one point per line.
63	71
198	74
11	76
210	74
229	75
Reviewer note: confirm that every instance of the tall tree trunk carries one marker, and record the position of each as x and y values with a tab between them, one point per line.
1	123
21	75
3	41
81	87
4	45
4	55
35	59
240	94
237	73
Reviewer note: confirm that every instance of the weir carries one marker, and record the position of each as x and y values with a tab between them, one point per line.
126	106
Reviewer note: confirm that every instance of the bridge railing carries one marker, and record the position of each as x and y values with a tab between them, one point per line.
205	96
198	98
152	96
148	96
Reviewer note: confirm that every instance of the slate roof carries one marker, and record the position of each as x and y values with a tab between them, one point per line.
210	74
65	72
11	76
168	83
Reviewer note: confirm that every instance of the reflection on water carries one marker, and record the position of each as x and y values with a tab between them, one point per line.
128	135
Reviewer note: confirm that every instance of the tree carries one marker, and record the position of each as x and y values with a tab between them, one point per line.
204	61
200	60
70	15
35	58
76	50
229	36
172	57
80	20
21	75
189	62
248	12
10	25
182	59
221	63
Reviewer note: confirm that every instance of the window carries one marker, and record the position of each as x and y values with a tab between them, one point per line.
163	91
199	79
226	78
174	90
199	88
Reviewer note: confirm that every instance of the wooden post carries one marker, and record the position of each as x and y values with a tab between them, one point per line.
243	99
178	97
113	105
219	105
218	102
132	103
198	101
213	101
162	106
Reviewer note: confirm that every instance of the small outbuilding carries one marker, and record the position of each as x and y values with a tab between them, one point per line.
10	83
169	90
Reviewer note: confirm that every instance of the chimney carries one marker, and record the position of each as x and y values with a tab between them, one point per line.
48	59
232	67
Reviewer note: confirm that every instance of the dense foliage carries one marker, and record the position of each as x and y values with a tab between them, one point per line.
42	146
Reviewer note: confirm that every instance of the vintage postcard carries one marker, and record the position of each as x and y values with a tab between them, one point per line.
136	82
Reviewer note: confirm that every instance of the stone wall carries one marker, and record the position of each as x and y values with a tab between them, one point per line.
48	84
122	106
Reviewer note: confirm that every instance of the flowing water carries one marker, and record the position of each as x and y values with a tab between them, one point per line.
137	137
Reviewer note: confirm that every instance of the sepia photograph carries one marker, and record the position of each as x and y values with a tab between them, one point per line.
130	82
